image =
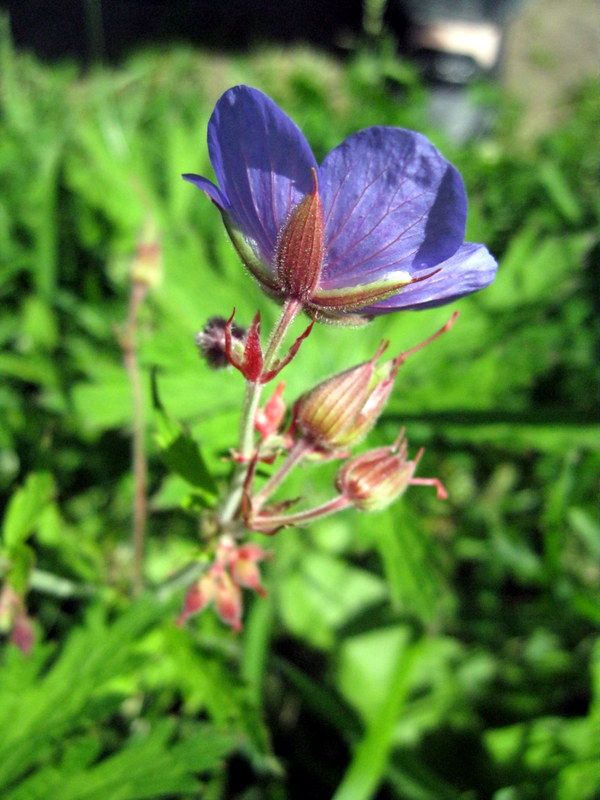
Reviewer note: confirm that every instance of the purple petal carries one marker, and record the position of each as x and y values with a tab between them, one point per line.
215	194
262	162
391	202
470	269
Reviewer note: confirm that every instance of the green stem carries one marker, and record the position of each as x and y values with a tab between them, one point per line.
231	503
296	454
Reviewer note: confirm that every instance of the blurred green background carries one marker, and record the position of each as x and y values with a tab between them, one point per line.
435	651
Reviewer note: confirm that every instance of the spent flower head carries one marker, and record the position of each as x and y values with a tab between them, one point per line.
235	567
374	480
378	227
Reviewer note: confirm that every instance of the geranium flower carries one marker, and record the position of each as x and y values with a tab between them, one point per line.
378	227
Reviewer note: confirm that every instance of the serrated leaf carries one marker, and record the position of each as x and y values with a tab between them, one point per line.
149	766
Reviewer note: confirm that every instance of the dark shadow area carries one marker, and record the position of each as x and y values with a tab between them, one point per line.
89	30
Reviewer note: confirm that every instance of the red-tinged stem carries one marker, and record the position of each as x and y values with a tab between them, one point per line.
139	461
266	522
439	486
399	360
295	455
231	503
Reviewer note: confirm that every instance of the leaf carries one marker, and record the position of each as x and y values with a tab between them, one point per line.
555	183
41	706
408	558
22	561
25	508
369	762
322	593
149	766
180	452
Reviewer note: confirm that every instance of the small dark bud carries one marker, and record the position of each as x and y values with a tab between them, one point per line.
211	341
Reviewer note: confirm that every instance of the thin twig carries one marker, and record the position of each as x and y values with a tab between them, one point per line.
139	461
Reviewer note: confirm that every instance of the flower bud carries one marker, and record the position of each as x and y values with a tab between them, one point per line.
374	480
300	248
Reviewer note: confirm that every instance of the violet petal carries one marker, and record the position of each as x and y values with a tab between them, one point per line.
262	162
391	202
215	194
470	269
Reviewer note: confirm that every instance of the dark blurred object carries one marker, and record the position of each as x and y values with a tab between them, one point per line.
108	29
455	43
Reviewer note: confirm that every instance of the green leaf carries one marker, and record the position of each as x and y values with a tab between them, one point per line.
22	561
181	453
369	762
151	765
555	183
25	508
322	593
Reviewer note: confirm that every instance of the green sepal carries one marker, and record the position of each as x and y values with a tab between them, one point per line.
329	301
263	275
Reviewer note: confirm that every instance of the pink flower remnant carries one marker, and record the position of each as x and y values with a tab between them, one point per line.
234	568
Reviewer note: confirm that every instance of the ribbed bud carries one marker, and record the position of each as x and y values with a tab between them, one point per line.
300	249
341	410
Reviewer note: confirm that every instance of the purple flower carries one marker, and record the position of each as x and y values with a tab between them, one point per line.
378	227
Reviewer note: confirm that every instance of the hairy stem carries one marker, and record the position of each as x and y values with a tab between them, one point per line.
267	522
296	454
231	503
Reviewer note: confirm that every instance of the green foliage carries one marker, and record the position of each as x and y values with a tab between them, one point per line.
433	651
59	716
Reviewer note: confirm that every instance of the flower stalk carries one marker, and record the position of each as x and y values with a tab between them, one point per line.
231	504
137	295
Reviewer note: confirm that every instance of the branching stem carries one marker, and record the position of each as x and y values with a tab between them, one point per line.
295	455
231	503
